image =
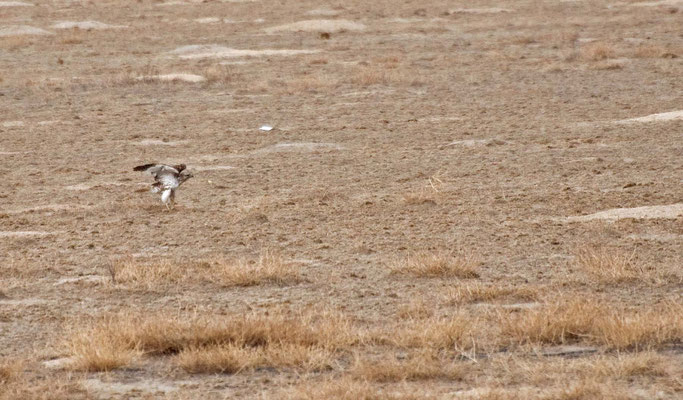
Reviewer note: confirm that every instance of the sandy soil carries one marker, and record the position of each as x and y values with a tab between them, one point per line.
517	132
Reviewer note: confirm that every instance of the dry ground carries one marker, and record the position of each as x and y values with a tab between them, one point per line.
455	201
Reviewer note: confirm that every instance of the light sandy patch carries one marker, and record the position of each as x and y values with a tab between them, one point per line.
210	167
31	301
51	122
468	143
20	30
157	142
88	279
207	20
24	233
86	25
323	11
12	124
139	389
489	10
660	117
217	51
14	4
318	25
12	153
177	77
304	146
671	211
59	363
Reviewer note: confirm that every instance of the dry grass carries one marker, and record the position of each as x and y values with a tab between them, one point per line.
417	308
219	74
441	264
455	332
649	51
10	370
595	322
211	342
384	75
479	292
268	268
607	65
423	365
597	51
610	266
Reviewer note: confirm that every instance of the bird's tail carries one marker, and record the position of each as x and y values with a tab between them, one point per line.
143	167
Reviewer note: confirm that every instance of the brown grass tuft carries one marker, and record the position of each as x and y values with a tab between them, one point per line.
268	268
211	342
219	74
431	265
453	332
10	370
597	51
607	65
478	292
610	266
595	322
649	51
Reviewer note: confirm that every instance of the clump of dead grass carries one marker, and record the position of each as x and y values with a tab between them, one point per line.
607	65
417	308
219	74
649	51
10	370
423	365
437	264
479	292
610	266
595	322
270	267
442	333
597	51
211	343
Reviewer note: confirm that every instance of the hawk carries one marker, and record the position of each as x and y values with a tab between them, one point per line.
167	180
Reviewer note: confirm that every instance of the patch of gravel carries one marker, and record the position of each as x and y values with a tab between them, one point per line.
318	25
217	51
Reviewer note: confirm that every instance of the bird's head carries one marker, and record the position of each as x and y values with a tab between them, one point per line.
185	176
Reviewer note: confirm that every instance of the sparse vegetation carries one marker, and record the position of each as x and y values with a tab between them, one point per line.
268	268
479	292
593	321
440	264
611	266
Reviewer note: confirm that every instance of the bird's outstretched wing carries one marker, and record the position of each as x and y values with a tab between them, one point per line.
155	168
165	175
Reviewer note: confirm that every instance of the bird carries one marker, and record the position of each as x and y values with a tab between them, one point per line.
167	180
